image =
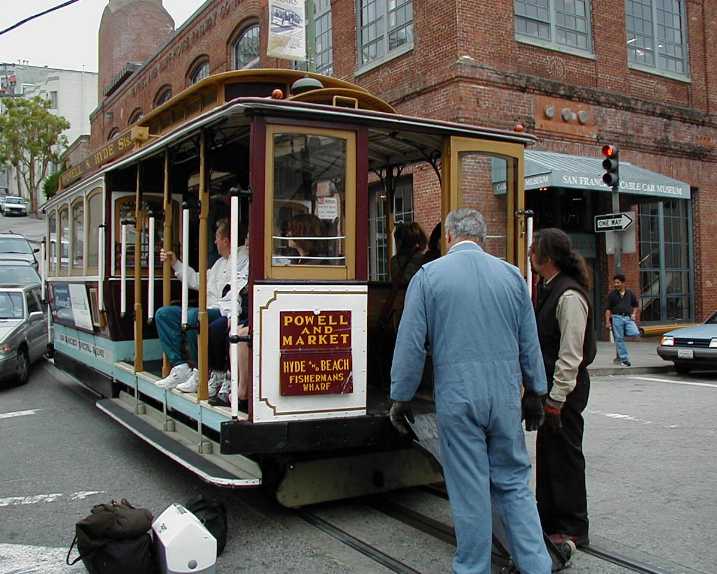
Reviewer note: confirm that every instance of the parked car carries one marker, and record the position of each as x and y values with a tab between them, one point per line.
14	247
23	331
691	347
14	205
18	274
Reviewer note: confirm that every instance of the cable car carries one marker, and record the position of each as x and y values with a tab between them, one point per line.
263	148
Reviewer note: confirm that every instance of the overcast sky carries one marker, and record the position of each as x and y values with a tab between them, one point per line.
65	38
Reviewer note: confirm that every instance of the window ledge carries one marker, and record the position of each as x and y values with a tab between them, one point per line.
663	73
384	59
555	47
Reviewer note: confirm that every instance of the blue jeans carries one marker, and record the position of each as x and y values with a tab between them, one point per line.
169	328
622	327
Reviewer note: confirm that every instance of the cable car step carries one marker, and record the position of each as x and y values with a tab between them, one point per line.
233	471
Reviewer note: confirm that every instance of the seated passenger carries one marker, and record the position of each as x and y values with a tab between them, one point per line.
305	244
168	318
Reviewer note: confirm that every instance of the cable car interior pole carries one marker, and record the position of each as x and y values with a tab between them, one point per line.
150	283
529	232
185	263
203	338
100	267
167	242
234	320
138	338
123	269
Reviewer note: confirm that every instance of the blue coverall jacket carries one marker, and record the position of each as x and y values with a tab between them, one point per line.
475	312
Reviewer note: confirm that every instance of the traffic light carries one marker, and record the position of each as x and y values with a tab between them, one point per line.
611	164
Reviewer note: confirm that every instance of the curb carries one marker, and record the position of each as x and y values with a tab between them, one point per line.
609	371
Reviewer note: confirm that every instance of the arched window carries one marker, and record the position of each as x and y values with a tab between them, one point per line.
199	71
114	132
78	237
163	94
135	116
64	238
52	224
94	220
246	48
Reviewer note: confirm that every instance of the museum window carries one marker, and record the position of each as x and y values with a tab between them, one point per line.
199	71
561	24
385	29
245	50
164	94
664	261
657	35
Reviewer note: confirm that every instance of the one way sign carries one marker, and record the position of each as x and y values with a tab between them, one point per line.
613	222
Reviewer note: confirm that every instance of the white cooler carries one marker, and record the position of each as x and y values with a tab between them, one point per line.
183	544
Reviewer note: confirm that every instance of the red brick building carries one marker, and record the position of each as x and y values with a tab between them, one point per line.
640	74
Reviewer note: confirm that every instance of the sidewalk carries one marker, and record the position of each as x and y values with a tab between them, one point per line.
643	356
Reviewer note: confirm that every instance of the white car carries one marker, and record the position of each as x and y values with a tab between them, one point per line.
14	205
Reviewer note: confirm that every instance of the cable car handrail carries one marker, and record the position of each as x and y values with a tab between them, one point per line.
294	237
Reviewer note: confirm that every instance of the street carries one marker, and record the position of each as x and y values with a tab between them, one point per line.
33	228
650	483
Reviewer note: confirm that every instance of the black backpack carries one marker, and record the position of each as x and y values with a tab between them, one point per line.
213	514
114	539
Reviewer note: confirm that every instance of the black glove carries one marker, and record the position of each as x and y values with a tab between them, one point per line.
533	412
400	411
552	415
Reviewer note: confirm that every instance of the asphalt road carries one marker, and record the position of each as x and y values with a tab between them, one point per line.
33	228
651	468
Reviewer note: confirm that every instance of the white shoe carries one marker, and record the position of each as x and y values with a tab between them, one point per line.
226	386
191	384
178	375
216	382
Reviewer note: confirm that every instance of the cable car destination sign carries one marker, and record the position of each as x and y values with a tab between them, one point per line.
612	222
315	353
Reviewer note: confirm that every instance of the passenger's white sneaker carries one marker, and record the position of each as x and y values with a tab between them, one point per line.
216	382
178	375
191	384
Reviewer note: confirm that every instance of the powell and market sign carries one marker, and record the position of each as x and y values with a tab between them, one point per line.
632	180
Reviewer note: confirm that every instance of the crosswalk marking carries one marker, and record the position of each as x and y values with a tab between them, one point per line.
18	414
52	497
656	380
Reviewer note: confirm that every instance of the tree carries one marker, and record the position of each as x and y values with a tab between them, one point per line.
52	183
30	138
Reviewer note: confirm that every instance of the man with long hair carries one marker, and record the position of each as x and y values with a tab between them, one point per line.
475	312
567	341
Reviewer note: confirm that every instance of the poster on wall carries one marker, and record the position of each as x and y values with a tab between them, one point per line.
61	305
80	306
287	30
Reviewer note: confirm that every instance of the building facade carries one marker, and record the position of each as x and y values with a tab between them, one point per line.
72	94
637	74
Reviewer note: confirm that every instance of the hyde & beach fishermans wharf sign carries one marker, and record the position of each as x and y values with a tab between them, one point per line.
315	353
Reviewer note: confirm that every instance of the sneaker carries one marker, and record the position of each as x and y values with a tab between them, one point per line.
616	361
225	387
578	541
220	400
191	384
178	375
216	382
626	364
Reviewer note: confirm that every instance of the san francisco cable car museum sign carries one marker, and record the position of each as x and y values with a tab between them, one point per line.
315	353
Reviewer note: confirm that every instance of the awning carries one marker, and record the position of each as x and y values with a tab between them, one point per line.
547	169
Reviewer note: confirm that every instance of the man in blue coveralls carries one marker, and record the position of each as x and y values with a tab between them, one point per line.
474	311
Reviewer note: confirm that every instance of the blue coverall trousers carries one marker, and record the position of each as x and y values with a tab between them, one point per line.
168	321
484	456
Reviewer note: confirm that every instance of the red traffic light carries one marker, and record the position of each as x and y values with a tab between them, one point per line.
609	151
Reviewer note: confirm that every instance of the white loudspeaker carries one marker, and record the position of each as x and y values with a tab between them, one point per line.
183	544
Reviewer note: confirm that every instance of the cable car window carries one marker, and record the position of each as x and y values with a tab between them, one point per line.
94	219
309	200
52	255
64	240
78	237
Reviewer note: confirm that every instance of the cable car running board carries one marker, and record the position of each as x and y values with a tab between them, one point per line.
194	461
